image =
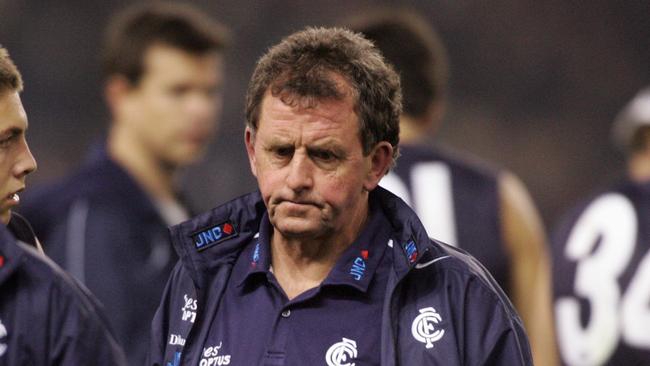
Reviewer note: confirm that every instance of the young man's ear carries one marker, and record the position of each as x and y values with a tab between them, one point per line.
249	140
116	88
381	158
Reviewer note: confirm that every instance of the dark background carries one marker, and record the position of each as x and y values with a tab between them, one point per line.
534	86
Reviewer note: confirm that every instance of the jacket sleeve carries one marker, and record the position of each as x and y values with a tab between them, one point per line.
452	317
494	333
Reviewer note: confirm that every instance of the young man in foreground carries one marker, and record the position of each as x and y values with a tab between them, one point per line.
46	317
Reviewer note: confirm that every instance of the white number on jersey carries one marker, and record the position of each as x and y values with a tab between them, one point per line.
431	196
611	218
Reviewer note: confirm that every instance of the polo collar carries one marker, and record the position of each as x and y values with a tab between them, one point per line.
257	254
359	262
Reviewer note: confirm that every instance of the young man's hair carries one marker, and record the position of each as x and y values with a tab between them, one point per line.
10	78
303	68
134	30
414	49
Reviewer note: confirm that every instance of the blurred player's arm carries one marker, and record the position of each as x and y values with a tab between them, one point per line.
525	240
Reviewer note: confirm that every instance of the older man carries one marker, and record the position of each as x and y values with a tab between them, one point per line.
46	318
321	266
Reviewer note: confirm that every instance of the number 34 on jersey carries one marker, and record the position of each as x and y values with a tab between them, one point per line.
608	305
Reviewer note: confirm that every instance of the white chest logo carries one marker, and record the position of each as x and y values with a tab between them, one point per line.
424	329
3	334
341	353
189	309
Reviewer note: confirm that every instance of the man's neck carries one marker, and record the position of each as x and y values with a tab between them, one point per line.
300	264
152	175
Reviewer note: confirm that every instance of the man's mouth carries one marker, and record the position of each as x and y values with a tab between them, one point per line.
300	203
14	197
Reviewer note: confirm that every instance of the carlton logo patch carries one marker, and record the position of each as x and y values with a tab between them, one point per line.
213	235
342	353
424	327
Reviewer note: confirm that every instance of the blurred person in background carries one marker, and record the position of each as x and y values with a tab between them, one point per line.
461	200
107	223
46	317
601	259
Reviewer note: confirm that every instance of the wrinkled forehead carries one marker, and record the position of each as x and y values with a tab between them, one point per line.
305	89
325	113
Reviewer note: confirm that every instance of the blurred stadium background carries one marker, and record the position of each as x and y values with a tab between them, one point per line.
534	84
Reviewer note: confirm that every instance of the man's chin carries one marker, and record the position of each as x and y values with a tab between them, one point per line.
297	228
5	216
181	157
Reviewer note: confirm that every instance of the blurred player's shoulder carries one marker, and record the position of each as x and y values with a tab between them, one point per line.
98	181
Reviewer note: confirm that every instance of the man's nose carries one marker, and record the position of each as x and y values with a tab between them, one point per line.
300	172
25	162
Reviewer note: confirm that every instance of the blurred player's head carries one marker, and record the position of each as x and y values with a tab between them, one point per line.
16	161
304	68
631	129
414	48
163	70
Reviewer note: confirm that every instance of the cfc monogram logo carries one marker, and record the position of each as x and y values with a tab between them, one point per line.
424	327
3	335
341	353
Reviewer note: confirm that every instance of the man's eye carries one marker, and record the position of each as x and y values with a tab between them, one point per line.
323	155
179	90
5	141
284	151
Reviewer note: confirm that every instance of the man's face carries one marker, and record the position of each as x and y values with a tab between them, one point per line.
171	112
310	167
16	161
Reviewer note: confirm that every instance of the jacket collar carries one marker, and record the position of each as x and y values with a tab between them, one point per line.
22	230
11	254
217	237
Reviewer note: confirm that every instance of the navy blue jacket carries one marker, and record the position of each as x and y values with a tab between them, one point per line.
46	318
101	227
441	307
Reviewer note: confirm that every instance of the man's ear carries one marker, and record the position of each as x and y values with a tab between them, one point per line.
249	140
116	88
381	158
